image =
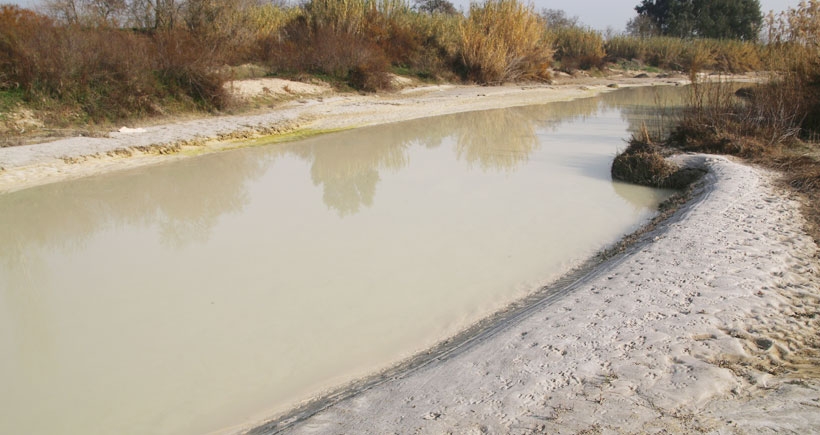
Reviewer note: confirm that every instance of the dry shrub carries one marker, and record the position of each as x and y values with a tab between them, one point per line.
23	34
794	47
331	37
370	73
642	163
233	27
106	73
713	122
687	54
802	173
665	52
626	48
697	55
577	47
738	56
504	40
357	41
186	67
326	50
658	51
426	44
767	118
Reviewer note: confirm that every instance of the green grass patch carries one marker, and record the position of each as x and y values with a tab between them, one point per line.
9	100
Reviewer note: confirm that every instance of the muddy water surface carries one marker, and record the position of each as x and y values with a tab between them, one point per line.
210	293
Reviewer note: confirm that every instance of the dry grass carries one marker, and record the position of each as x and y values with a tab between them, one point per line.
643	163
687	54
775	124
105	73
577	47
504	40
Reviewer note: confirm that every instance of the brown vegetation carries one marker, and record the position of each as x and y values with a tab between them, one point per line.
774	124
94	62
643	162
504	40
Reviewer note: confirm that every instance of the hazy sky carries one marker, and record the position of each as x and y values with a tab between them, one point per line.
601	14
598	14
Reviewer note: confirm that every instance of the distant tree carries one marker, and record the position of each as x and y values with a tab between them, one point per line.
436	7
732	19
642	26
558	18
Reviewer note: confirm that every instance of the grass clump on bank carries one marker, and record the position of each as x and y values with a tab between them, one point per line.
643	162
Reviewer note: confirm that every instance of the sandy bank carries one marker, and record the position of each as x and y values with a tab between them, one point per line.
29	165
708	324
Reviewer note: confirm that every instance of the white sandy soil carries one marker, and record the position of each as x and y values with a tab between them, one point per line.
707	326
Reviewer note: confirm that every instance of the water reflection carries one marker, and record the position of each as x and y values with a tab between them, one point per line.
183	201
211	286
497	140
348	165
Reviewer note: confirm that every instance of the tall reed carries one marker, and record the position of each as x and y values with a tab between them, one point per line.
578	47
504	40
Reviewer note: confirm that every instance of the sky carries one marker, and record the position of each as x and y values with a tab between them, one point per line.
598	14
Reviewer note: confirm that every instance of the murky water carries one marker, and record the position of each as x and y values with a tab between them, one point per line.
200	295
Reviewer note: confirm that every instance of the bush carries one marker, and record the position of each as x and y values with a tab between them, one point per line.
687	54
576	47
503	40
106	73
186	68
642	163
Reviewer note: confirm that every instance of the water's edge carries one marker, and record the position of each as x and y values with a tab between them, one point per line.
605	259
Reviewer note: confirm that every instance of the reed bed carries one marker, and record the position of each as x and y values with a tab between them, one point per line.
578	48
503	40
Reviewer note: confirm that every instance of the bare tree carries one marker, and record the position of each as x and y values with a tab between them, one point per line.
153	14
63	10
642	26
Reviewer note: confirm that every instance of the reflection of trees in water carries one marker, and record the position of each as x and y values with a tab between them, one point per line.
184	200
496	139
348	164
656	107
